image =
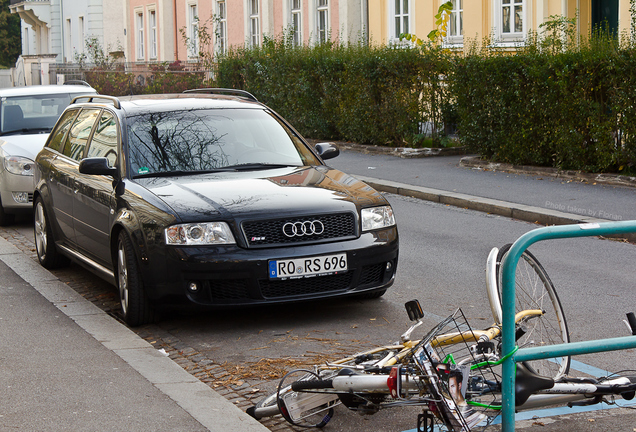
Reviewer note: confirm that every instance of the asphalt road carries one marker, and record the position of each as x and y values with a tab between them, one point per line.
442	260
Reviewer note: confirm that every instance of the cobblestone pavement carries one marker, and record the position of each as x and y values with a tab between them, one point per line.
242	392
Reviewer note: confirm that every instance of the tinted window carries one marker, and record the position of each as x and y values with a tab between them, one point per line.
59	134
203	139
104	141
79	133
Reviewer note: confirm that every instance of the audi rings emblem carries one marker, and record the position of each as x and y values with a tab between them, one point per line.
307	228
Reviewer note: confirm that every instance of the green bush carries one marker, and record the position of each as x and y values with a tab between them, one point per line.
571	109
370	95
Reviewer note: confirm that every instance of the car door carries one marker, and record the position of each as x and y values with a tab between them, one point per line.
66	170
93	207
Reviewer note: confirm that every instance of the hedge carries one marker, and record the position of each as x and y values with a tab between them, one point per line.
370	95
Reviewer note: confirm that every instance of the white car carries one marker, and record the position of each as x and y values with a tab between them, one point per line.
27	115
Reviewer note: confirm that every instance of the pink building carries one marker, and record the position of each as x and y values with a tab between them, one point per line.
164	30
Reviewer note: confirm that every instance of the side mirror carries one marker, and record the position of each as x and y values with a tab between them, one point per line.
97	166
327	150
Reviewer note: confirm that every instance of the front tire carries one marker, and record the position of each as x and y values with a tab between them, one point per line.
135	307
47	252
534	290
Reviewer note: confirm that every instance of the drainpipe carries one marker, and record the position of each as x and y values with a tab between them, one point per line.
176	32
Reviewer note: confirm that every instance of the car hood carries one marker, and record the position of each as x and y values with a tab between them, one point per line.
275	192
23	145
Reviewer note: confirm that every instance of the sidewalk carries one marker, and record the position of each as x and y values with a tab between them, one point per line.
67	365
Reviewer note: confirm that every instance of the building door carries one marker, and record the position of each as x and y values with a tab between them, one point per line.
605	15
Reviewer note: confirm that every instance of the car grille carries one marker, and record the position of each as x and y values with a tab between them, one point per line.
372	274
266	233
233	289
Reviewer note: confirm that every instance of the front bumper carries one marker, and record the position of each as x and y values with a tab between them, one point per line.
16	193
233	276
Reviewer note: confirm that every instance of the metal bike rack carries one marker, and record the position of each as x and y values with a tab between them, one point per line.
509	267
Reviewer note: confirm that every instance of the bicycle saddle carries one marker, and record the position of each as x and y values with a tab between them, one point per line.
527	382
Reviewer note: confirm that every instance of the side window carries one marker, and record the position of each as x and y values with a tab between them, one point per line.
104	141
79	133
59	134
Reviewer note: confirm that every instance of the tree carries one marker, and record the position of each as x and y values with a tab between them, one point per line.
10	38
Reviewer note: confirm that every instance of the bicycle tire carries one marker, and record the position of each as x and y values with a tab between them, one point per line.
535	290
312	385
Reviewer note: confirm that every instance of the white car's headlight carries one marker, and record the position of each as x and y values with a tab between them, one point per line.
210	233
19	165
377	217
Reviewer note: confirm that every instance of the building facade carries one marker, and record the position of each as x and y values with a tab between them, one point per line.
506	22
168	30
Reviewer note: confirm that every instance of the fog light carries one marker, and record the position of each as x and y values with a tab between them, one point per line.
389	266
20	197
193	287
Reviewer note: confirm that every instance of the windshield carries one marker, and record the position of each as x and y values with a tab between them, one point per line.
208	140
36	113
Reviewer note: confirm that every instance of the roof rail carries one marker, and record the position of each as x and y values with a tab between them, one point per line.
235	92
90	98
77	82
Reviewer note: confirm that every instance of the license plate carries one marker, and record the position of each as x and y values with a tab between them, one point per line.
307	267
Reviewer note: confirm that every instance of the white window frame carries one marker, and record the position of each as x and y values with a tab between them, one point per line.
139	35
455	34
511	35
322	10
192	9
253	23
82	33
68	39
152	34
398	13
221	33
296	21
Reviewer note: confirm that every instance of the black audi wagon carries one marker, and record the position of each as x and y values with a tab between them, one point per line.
208	198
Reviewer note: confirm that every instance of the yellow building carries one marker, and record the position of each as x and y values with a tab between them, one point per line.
507	22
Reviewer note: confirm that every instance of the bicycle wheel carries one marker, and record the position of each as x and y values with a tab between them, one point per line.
534	290
304	409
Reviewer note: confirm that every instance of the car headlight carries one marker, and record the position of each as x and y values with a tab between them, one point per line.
19	165
377	217
199	234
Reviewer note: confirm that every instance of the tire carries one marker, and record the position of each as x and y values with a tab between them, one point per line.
316	416
135	307
47	252
534	290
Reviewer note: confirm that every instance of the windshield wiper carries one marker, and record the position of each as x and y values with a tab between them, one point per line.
258	166
26	130
176	173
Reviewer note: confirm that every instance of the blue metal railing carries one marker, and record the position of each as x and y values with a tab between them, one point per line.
509	267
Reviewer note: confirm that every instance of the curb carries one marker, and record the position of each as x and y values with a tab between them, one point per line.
206	406
522	212
476	162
